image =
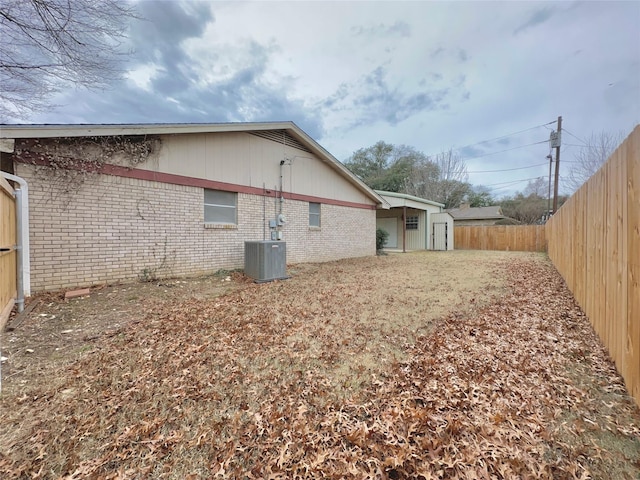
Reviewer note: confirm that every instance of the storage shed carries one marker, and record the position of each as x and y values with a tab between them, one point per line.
414	223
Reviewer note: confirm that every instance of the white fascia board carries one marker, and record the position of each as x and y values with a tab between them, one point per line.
403	199
82	130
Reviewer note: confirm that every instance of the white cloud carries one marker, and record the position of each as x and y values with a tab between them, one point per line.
433	75
142	75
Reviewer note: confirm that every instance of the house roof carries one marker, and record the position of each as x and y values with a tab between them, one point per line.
395	199
296	138
477	213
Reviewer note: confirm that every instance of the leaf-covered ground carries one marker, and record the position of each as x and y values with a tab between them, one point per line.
344	371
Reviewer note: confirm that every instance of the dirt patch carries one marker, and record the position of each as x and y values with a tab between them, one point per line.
426	365
56	331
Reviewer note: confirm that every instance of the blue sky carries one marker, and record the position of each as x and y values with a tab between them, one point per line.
432	75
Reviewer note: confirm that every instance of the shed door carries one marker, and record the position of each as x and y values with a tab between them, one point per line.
391	226
440	235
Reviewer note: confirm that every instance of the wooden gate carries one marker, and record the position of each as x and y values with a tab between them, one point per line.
8	286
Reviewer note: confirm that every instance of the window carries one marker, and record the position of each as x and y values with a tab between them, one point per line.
219	206
314	215
412	222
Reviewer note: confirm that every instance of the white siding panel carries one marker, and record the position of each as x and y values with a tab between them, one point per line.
244	159
415	238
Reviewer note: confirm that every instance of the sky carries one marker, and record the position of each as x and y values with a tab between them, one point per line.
431	75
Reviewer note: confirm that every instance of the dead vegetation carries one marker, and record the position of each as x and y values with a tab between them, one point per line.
344	371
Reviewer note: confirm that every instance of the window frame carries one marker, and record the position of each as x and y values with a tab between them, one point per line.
220	206
410	224
317	215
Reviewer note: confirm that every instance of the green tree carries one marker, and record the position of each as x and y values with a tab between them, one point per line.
528	207
384	166
403	169
480	196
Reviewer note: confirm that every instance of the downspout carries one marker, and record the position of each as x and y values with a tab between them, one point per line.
23	258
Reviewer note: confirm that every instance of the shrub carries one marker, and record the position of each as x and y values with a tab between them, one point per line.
381	238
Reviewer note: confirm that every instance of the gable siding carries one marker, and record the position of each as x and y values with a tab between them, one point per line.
244	159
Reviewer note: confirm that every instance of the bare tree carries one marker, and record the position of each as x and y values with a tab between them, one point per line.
49	43
592	156
423	179
538	187
452	186
452	167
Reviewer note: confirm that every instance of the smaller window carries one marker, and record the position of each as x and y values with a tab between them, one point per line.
314	214
219	206
412	222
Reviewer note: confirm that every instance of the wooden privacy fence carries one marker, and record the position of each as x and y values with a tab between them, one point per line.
528	238
594	242
8	286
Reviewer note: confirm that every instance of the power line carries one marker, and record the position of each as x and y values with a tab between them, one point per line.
504	136
496	138
513	182
584	144
508	169
506	150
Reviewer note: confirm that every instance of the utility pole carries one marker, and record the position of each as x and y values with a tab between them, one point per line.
547	215
557	175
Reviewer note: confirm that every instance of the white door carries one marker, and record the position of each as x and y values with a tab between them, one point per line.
391	227
440	236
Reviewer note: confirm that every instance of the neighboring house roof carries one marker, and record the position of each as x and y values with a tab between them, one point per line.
394	199
477	213
286	132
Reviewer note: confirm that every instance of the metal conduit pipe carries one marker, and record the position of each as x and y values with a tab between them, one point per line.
23	258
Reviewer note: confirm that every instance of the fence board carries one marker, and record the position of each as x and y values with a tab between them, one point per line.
632	251
8	290
594	242
528	238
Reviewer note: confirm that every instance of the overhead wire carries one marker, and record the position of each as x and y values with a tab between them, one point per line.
512	181
457	149
505	150
584	144
507	169
504	136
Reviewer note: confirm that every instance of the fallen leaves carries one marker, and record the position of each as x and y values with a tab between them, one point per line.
251	385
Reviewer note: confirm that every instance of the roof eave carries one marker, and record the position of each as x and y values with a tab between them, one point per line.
409	197
82	130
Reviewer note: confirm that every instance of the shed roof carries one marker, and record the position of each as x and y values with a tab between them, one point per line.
395	199
477	213
296	138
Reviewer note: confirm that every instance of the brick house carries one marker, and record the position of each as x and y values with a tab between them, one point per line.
118	202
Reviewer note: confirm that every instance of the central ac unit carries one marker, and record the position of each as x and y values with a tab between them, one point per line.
265	260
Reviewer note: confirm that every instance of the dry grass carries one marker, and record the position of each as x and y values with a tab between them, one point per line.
428	365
